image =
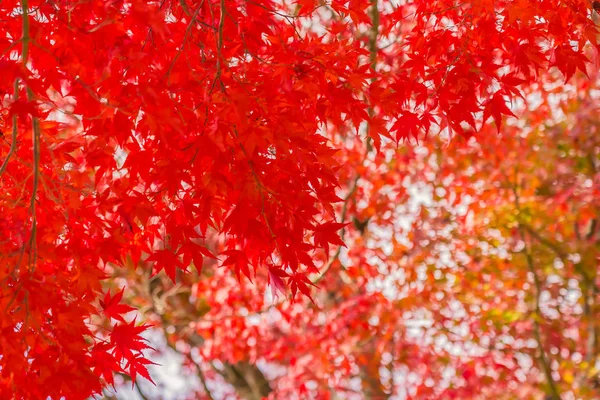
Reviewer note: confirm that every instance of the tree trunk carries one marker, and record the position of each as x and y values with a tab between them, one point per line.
247	379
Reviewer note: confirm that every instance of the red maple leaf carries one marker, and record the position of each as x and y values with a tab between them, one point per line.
168	261
127	339
327	233
495	107
112	308
276	281
302	283
239	260
137	365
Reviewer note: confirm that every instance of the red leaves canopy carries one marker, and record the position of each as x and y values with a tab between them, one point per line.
141	133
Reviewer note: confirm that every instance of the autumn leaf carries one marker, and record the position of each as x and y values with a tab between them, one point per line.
136	366
168	261
112	308
106	363
326	234
495	107
276	281
406	126
239	261
568	61
127	339
299	282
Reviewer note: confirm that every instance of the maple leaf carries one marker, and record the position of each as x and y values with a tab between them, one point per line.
305	6
112	308
168	261
511	84
521	10
407	125
326	233
276	281
23	107
568	61
302	283
239	260
137	365
194	251
105	362
378	128
127	339
495	107
528	58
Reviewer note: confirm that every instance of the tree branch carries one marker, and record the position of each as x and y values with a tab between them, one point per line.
546	242
219	47
13	143
141	393
373	49
555	395
247	379
334	258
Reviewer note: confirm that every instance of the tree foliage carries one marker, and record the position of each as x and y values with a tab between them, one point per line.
199	152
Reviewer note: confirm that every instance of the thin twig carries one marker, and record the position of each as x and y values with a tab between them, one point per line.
35	138
185	38
219	46
13	144
546	242
200	373
260	187
538	291
139	389
336	256
10	47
